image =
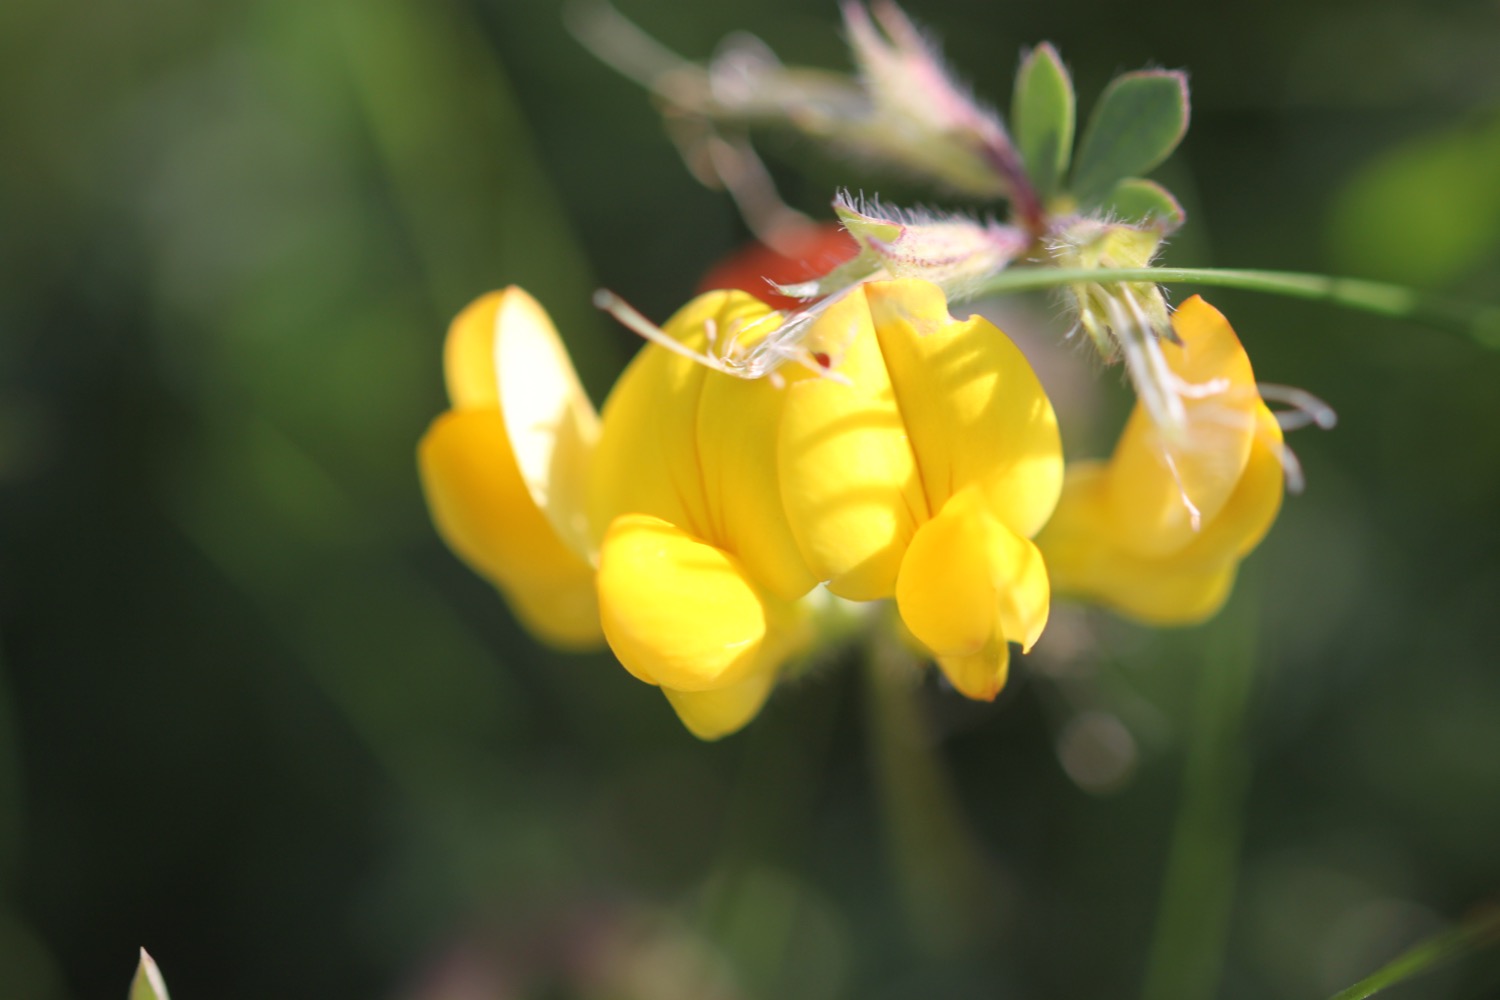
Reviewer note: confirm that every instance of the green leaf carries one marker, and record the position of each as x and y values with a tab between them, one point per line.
148	984
1138	200
1042	115
1481	931
1139	120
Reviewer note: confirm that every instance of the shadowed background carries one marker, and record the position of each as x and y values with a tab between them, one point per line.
256	718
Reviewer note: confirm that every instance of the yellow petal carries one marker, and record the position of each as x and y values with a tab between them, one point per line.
1185	596
1087	561
848	479
677	611
1252	507
552	425
697	447
981	675
503	351
563	614
973	407
647	459
738	423
709	715
1149	477
1088	557
1078	542
483	511
469	353
967	585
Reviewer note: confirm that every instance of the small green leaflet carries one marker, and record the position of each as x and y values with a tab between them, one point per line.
1142	201
1139	120
1042	116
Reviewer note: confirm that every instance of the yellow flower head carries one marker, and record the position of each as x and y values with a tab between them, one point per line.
924	475
702	509
699	578
499	466
1158	531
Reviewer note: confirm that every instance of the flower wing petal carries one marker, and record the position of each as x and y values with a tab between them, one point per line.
738	422
485	514
1088	557
848	478
648	459
1150	479
469	353
552	425
974	409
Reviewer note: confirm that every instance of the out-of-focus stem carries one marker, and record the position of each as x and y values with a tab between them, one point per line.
1480	931
1477	322
947	882
1187	949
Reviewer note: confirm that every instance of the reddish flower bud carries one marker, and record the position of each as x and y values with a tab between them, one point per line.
757	269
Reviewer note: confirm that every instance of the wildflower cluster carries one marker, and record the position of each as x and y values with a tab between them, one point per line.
760	480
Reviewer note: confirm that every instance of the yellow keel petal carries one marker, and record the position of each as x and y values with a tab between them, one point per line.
967	585
709	715
677	611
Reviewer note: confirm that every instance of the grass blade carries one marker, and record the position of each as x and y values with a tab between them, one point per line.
1478	932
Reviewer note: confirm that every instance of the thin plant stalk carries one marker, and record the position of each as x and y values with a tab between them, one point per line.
1197	895
1480	323
943	873
1478	932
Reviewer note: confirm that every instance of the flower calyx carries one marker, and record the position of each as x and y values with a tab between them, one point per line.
952	250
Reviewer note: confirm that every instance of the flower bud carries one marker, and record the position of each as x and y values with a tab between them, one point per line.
951	251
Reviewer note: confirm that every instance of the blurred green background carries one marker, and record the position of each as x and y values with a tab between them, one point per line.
256	718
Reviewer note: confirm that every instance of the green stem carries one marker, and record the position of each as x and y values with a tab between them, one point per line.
1478	932
1480	323
1198	886
946	880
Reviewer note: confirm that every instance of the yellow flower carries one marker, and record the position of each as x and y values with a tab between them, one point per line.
507	439
658	528
1158	531
924	475
702	510
699	577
